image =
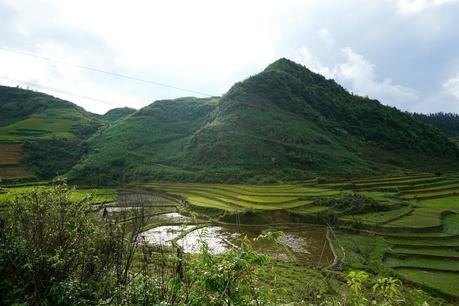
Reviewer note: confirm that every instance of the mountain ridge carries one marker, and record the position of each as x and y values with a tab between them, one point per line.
284	123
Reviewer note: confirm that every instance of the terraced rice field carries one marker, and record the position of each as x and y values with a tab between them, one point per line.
41	127
98	195
10	161
424	233
244	197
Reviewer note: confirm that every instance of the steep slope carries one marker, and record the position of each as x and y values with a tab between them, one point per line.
446	122
285	123
149	144
290	120
118	113
43	133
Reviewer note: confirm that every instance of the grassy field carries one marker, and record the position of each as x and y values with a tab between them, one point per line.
422	234
417	229
61	123
443	281
424	263
98	194
244	197
377	218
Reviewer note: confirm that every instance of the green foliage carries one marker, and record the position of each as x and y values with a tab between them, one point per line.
285	123
51	129
352	203
387	287
33	116
226	279
48	242
447	122
50	158
356	279
116	114
56	251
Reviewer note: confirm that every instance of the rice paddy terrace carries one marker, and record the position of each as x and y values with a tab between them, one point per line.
10	161
422	229
417	218
420	220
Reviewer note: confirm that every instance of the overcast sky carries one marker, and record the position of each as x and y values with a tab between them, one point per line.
404	53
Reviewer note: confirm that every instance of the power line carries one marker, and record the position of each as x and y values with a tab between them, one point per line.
119	75
62	91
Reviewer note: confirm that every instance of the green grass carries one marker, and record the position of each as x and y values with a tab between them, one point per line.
392	178
310	210
53	124
408	181
231	197
417	235
206	202
99	194
441	204
451	224
13	191
445	185
426	263
379	217
419	218
443	281
453	242
432	251
433	193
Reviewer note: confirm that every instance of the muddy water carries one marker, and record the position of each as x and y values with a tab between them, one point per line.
305	244
300	242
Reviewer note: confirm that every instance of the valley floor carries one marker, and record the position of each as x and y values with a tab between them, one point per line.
409	228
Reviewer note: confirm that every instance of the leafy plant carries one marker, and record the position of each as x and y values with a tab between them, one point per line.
387	287
356	279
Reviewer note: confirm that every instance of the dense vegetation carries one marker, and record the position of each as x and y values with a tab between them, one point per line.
282	124
49	132
29	115
50	158
118	113
447	122
147	145
56	250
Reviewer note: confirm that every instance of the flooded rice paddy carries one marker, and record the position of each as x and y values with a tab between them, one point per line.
306	243
303	243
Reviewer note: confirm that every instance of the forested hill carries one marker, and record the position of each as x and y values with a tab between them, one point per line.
285	123
447	122
116	114
41	136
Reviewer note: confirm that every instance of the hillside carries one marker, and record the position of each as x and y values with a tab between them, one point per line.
285	123
41	135
149	144
446	122
118	113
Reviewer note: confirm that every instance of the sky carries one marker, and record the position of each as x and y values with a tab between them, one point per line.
405	53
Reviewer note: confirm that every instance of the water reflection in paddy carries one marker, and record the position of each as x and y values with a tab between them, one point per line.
306	244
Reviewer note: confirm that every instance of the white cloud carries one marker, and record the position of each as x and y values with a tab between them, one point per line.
305	57
452	86
361	74
207	45
408	7
326	38
360	77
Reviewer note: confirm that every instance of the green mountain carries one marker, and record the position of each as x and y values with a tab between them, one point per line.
118	113
41	135
285	123
446	122
149	144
